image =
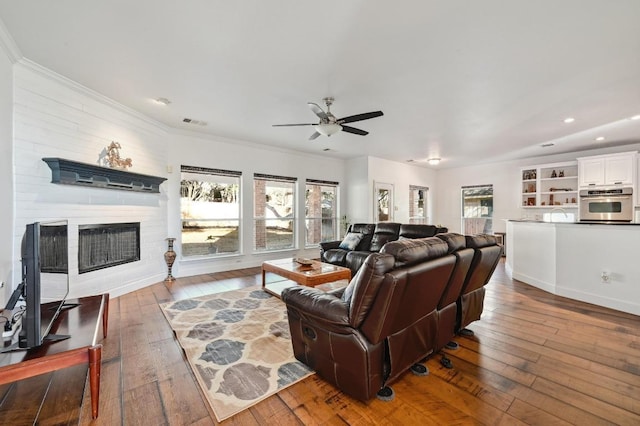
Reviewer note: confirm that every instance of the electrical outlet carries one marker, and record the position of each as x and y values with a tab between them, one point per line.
605	276
14	329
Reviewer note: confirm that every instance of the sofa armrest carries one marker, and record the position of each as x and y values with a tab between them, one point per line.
316	305
355	259
328	245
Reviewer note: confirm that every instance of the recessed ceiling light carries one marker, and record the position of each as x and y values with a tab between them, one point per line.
569	120
600	138
163	101
433	161
636	117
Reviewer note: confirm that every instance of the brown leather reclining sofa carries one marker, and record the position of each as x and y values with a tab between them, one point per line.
374	237
401	307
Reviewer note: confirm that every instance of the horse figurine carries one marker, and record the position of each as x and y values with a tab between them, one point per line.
113	157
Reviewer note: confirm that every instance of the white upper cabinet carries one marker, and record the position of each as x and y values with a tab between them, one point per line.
591	171
619	170
614	169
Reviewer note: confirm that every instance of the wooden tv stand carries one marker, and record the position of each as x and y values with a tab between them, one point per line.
82	323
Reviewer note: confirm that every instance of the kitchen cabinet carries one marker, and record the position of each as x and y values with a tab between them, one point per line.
550	185
613	169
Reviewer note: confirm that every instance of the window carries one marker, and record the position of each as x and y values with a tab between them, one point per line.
418	204
477	209
274	212
210	211
321	211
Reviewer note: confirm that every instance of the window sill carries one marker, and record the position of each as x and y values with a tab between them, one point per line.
205	258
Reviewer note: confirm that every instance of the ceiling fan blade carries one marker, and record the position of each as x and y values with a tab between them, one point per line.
314	135
318	111
360	117
285	125
353	130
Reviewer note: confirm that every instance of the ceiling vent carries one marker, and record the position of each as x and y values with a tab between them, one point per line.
192	121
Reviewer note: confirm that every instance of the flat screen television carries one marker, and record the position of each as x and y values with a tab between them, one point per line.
45	272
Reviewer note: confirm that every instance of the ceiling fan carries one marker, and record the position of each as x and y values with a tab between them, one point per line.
329	124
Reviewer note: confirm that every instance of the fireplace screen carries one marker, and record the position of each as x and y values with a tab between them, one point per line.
106	245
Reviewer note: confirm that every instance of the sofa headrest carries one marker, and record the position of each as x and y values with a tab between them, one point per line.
414	230
408	252
454	241
480	240
387	228
367	230
384	232
363	228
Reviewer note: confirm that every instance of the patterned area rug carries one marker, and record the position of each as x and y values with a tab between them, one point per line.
238	345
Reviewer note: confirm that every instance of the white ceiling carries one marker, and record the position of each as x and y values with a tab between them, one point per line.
467	81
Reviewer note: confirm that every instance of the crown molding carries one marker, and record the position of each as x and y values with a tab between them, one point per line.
8	44
38	69
42	71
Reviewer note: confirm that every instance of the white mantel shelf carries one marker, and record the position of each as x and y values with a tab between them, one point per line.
68	172
569	259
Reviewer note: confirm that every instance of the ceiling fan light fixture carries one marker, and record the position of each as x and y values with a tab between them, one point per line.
327	129
433	161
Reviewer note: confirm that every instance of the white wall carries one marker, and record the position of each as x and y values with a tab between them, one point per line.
55	117
196	150
364	172
449	196
401	176
6	172
359	192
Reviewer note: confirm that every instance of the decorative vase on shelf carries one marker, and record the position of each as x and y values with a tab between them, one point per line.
169	258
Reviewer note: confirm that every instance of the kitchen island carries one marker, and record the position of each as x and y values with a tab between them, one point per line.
592	262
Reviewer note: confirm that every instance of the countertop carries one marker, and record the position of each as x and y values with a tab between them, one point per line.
576	223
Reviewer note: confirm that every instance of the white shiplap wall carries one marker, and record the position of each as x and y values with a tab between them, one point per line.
6	170
55	117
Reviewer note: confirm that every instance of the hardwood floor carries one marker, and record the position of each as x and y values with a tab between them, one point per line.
535	358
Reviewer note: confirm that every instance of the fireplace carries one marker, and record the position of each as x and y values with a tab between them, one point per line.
106	245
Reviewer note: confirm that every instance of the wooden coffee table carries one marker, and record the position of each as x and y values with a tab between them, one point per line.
294	273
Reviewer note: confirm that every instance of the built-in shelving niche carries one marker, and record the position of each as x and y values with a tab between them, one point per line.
69	172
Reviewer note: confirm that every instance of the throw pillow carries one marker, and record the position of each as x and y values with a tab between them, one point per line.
351	241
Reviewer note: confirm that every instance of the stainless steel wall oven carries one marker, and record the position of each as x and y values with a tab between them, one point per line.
606	205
